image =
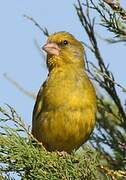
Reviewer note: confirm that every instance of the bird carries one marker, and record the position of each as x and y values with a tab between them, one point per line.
64	113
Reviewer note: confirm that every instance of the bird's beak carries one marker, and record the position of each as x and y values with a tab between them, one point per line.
51	48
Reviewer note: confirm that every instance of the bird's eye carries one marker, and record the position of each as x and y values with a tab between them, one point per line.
65	42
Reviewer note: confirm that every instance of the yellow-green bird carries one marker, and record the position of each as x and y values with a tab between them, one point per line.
65	108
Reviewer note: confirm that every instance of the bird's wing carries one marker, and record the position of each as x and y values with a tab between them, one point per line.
38	105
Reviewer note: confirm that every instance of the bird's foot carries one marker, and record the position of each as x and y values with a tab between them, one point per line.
62	153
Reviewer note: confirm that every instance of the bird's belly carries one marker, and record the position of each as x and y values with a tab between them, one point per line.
65	129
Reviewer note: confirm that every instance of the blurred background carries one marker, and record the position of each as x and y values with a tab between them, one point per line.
20	58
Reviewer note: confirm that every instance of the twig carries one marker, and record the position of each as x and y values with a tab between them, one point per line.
18	122
44	30
19	87
109	78
116	7
106	83
113	174
111	40
40	51
88	46
110	20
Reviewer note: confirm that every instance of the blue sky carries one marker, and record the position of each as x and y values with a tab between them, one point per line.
20	58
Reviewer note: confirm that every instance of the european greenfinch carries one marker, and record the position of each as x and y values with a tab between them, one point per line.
65	108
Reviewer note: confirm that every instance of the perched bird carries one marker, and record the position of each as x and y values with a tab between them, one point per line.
65	108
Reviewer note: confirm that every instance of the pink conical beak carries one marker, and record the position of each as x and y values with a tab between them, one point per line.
51	48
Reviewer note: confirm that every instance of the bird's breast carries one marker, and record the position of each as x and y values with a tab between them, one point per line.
68	90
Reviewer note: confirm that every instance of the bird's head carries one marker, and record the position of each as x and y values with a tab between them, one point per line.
62	48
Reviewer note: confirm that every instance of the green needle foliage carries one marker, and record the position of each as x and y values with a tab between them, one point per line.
21	154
